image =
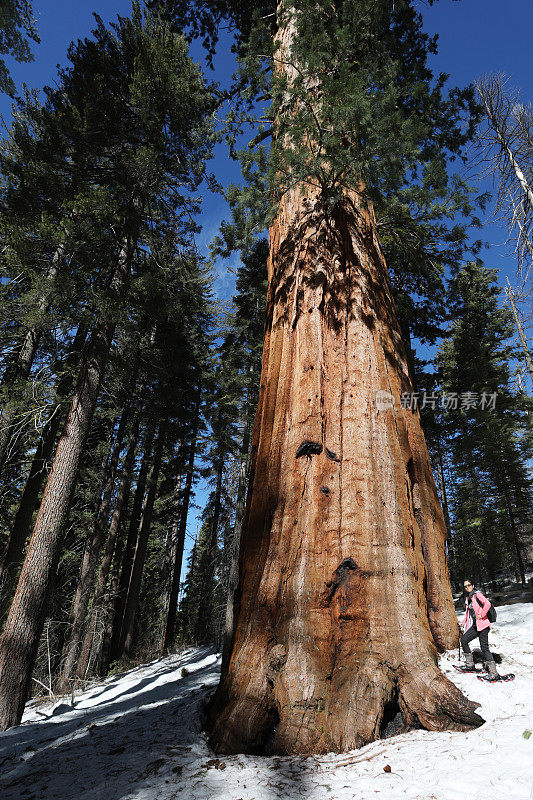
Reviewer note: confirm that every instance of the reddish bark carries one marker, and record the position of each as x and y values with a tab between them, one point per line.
343	580
344	594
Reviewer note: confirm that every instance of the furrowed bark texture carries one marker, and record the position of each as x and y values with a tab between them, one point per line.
344	593
24	625
344	589
21	529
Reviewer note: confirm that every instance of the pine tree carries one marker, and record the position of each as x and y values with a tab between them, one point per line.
17	16
145	103
491	492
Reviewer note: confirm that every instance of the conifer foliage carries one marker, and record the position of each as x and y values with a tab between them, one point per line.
130	122
486	439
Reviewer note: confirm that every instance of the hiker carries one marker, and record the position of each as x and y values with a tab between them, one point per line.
476	624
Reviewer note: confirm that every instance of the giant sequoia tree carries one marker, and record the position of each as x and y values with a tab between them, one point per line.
343	596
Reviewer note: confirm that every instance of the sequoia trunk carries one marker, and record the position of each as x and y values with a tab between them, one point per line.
344	594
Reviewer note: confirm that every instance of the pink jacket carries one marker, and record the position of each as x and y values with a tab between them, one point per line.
481	612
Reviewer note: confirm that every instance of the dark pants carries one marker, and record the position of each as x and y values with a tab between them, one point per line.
471	634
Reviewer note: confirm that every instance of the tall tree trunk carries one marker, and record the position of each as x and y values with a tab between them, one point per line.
344	588
523	341
444	496
105	650
202	632
20	639
20	369
233	578
14	551
171	547
134	587
89	562
181	524
172	554
131	542
515	538
105	567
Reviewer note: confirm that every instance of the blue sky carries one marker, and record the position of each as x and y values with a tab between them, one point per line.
475	37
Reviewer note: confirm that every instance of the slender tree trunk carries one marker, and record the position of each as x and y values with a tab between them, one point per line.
89	562
522	180
20	639
202	632
14	551
444	496
523	341
21	367
515	538
233	578
105	650
39	469
105	567
170	627
344	588
129	550
134	587
171	548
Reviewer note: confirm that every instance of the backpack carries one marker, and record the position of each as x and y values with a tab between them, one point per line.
491	613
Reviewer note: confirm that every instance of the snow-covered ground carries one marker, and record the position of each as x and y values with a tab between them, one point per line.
138	735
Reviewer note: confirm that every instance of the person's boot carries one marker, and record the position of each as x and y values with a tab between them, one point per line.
469	663
493	674
468	666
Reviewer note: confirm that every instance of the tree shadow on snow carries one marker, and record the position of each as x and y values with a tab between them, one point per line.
109	751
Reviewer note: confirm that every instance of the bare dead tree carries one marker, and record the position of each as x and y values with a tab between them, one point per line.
506	149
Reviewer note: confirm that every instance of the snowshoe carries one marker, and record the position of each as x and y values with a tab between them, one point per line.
464	668
496	678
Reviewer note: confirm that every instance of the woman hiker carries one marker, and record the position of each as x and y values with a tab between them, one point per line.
476	624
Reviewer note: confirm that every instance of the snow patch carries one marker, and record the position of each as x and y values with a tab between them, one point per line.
138	736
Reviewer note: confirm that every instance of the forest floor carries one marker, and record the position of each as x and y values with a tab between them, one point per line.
138	736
